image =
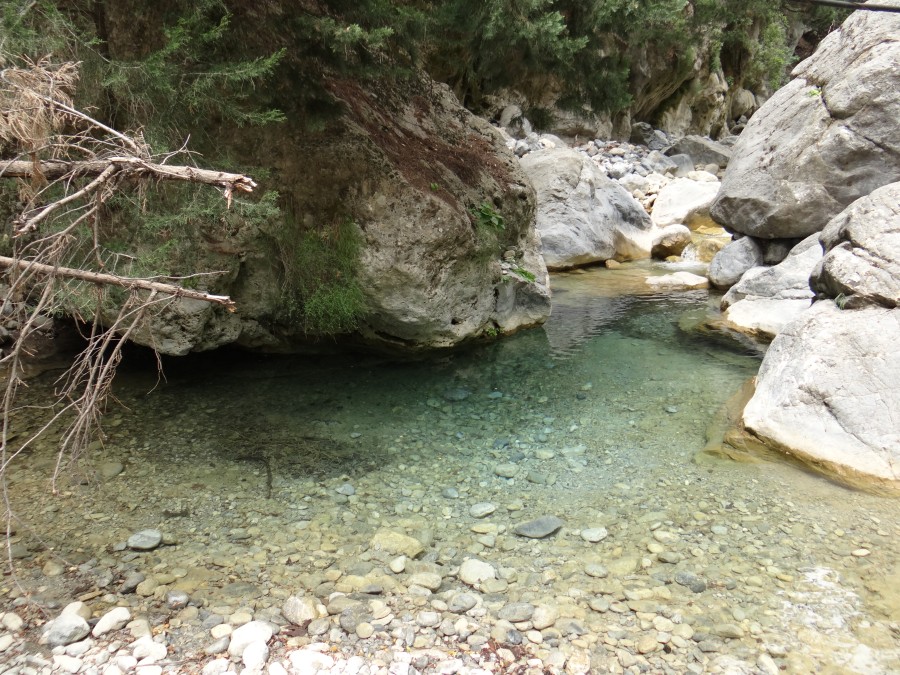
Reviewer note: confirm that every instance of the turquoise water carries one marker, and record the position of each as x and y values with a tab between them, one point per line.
598	416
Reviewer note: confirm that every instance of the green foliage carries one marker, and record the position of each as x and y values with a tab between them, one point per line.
841	301
524	274
320	288
488	218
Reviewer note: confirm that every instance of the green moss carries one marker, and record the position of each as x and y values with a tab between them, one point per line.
320	286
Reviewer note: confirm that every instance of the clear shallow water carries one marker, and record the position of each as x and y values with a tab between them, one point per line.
241	461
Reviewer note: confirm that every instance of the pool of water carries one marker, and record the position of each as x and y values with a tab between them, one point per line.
272	476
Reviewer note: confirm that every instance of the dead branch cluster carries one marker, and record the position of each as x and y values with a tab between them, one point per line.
66	166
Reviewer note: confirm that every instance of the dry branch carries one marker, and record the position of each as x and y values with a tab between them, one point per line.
54	169
114	280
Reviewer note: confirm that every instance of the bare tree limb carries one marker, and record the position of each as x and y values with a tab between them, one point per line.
114	280
53	169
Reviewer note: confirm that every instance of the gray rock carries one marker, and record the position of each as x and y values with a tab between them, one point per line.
145	540
456	394
767	298
66	629
177	599
474	571
582	215
300	610
702	150
643	134
683	164
594	534
114	619
397	543
827	138
730	264
828	392
243	636
658	162
462	603
684	201
516	612
506	470
692	581
481	509
539	527
862	252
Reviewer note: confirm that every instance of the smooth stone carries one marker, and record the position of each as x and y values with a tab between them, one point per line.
506	470
255	656
647	644
145	540
300	610
596	570
114	619
396	543
474	571
110	469
177	599
728	630
450	493
398	564
481	509
365	630
516	612
457	394
622	566
12	622
243	636
429	580
66	629
346	489
544	616
539	527
594	534
462	603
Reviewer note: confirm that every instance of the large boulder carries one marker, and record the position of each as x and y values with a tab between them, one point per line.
827	138
862	261
702	150
828	393
730	264
828	390
768	298
443	216
685	200
583	216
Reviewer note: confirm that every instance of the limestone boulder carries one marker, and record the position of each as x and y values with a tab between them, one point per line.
827	138
767	298
436	200
730	264
684	201
582	215
702	151
671	240
828	392
862	252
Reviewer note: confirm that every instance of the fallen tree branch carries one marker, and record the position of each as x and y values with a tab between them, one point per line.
54	168
112	279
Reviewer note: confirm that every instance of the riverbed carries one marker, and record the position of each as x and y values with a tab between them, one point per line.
360	486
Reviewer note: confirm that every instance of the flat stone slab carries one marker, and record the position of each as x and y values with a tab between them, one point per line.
539	527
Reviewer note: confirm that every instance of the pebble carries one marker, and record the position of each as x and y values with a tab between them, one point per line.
690	580
398	564
397	543
145	540
539	527
481	509
428	580
365	630
506	470
474	571
594	534
516	612
544	616
462	603
300	610
346	489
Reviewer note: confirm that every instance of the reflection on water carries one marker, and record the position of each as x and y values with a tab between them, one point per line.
597	418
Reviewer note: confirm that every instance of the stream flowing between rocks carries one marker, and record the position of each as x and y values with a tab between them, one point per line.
535	505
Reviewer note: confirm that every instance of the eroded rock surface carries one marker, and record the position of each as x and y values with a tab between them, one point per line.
826	139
